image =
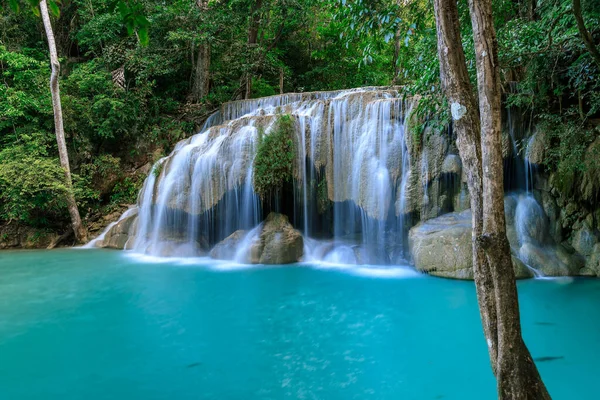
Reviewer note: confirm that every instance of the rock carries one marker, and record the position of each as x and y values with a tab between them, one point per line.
275	241
452	165
281	243
13	235
536	148
553	212
545	260
530	221
521	270
442	247
119	234
226	249
584	240
592	263
590	181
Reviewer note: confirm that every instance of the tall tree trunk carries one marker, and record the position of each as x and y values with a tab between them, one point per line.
588	40
252	41
202	74
201	84
78	229
457	87
516	373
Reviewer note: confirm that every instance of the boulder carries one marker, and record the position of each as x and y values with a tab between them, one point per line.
118	235
280	242
275	241
546	261
226	248
442	246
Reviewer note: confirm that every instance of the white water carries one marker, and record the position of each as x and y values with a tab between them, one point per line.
351	143
96	241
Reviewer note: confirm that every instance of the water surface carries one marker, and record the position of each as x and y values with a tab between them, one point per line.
93	324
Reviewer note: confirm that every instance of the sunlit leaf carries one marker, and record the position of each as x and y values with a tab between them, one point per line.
54	9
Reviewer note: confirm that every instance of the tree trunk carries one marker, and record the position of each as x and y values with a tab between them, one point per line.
78	229
252	41
457	88
202	74
588	40
516	373
201	85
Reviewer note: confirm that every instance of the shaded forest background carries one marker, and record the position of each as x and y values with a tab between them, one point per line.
127	99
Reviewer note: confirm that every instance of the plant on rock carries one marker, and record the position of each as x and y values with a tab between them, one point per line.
274	160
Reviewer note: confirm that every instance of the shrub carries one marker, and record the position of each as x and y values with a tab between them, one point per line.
274	160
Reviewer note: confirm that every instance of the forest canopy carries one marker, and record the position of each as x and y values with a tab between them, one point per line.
135	79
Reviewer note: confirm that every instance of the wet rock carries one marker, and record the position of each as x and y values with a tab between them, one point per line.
545	260
530	221
536	148
584	240
592	264
452	165
275	241
118	236
226	249
442	247
281	243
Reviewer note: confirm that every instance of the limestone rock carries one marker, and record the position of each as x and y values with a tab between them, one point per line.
275	241
584	240
119	234
281	243
536	148
226	249
545	260
442	246
593	261
452	165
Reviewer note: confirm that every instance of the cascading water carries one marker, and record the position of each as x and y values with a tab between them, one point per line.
350	171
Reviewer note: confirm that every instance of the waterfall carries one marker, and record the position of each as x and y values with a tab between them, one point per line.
347	199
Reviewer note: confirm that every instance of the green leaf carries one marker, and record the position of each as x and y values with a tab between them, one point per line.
14	5
54	9
143	36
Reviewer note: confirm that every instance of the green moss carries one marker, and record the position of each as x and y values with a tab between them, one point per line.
274	160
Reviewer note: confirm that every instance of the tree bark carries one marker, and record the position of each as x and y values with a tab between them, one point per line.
516	373
588	40
201	85
457	88
252	41
78	229
202	74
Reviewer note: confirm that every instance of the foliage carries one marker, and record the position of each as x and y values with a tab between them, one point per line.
114	126
274	161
